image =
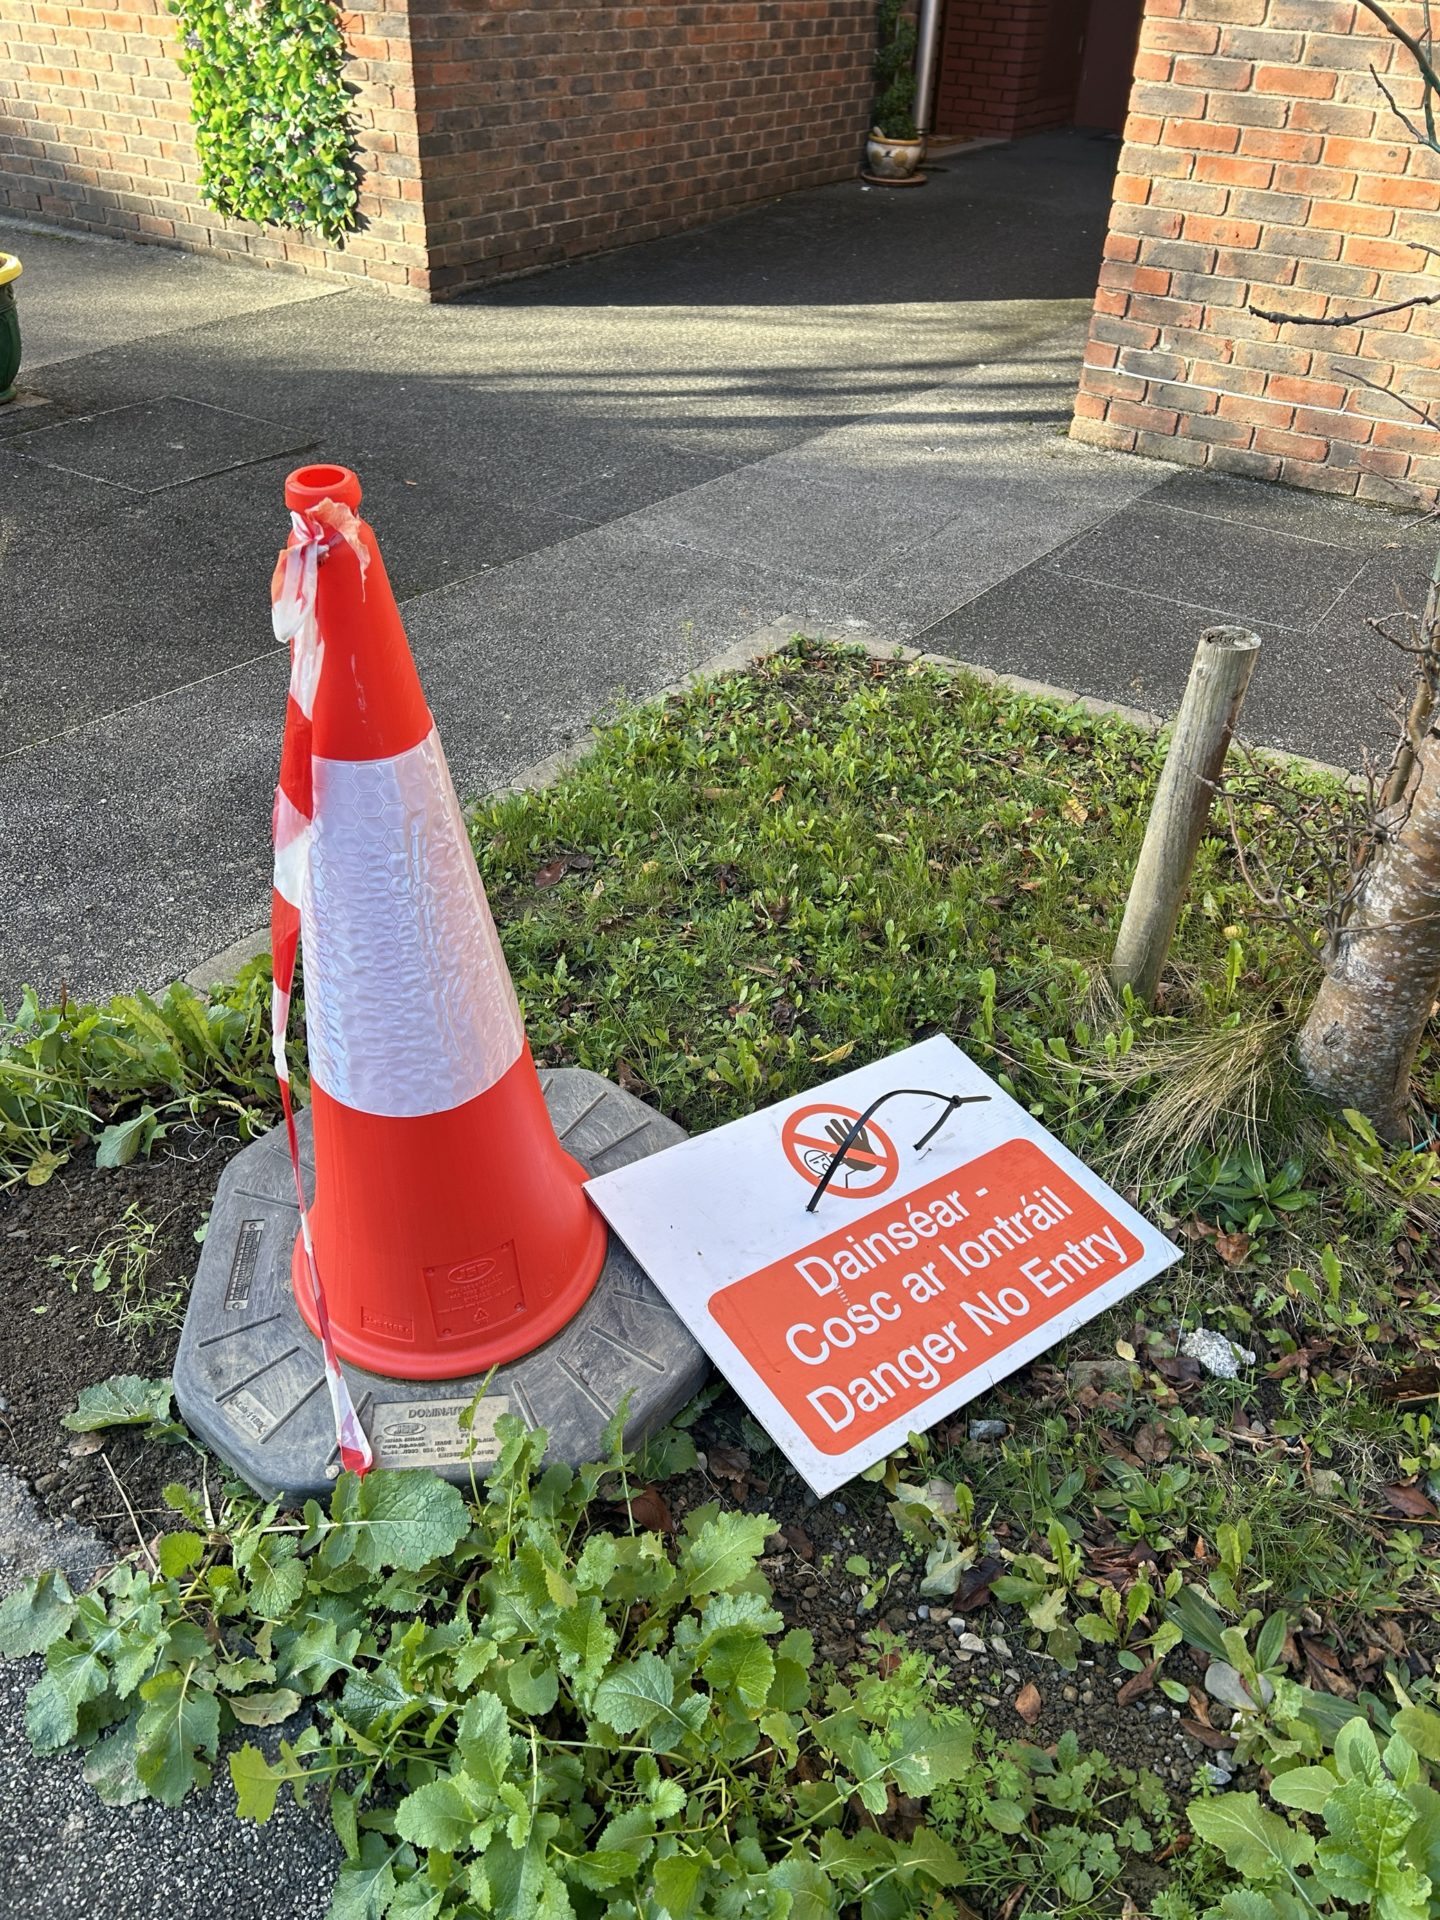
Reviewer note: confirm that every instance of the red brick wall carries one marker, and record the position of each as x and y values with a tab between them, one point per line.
553	130
493	136
95	132
1262	166
1007	66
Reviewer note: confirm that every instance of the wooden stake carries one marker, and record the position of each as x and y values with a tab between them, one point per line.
1224	661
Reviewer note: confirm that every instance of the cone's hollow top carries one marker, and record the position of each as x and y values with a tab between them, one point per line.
308	486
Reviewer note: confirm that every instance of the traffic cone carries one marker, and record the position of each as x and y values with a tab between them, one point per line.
449	1228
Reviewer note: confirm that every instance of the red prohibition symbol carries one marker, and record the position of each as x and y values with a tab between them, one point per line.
811	1137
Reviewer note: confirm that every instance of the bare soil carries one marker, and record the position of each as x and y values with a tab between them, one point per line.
55	1340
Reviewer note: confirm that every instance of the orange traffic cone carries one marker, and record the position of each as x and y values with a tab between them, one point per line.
449	1228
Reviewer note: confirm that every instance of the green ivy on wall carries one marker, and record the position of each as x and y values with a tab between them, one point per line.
271	110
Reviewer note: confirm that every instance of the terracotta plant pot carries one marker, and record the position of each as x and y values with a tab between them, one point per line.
892	159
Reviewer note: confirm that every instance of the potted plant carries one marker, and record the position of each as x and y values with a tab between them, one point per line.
896	146
9	326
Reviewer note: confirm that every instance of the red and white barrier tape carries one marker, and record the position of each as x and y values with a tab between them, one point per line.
292	594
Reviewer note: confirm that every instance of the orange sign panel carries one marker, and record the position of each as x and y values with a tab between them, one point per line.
897	1307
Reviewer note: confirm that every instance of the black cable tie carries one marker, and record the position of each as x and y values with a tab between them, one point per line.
952	1101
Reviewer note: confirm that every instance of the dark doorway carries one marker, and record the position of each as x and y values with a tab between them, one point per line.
1023	66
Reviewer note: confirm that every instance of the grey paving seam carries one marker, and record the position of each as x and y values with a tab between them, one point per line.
1168	599
1233	520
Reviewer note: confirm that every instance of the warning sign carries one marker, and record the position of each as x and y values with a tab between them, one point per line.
892	1310
813	1138
848	1327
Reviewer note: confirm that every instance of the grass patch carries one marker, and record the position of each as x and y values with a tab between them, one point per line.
830	857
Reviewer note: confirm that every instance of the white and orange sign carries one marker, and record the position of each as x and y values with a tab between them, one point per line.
918	1277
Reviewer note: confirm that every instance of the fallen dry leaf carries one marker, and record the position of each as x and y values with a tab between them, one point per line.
1233	1248
1410	1502
1207	1736
799	1540
1324	1673
974	1589
648	1509
1137	1684
730	1463
1152	1443
1179	1369
1028	1703
1390	1634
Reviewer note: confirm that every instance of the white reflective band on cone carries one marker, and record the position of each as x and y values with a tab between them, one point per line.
409	1008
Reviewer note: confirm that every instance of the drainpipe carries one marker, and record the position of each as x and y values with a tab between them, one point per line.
927	50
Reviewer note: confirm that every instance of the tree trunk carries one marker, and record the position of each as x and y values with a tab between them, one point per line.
1364	1028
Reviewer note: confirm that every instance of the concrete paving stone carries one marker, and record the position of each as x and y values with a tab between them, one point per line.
1357	663
1259	574
174	863
1395	575
147	291
925	437
627	485
157	444
71	1858
937	449
440	524
1289	510
807	526
516	662
29	492
1006	520
114	599
25	413
174	794
1136	649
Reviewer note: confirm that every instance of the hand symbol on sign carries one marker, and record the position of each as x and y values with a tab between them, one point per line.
846	1169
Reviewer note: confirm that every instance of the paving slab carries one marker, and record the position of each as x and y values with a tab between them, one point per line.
808	525
1287	510
147	291
1118	612
175	791
156	444
1255	574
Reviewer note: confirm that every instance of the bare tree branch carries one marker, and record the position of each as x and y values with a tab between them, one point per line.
1422	414
1345	319
1419	52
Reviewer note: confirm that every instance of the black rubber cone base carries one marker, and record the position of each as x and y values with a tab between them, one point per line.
249	1379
